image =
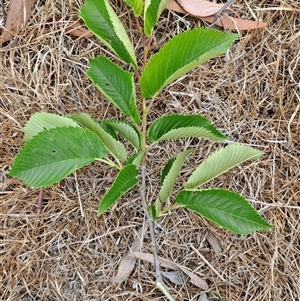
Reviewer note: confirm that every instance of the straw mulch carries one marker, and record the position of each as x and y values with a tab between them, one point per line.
252	94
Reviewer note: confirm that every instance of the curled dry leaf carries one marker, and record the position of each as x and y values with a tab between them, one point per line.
18	14
214	243
128	262
200	8
174	276
224	21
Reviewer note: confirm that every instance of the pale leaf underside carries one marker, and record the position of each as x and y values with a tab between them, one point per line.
220	162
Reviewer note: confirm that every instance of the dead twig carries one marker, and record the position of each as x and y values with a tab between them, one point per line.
218	14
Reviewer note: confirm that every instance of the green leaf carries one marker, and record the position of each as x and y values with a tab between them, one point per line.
181	126
153	212
225	208
109	130
153	9
41	121
116	148
136	5
125	180
180	55
136	159
170	174
220	162
53	154
101	20
166	169
116	84
128	130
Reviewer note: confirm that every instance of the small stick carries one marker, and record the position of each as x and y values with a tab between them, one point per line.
217	15
39	206
79	198
160	284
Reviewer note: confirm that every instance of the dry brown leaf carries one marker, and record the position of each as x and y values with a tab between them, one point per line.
127	266
128	262
200	8
174	276
214	243
18	14
203	297
77	30
174	266
224	21
236	23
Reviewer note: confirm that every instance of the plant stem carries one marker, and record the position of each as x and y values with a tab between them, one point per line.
138	25
151	103
144	130
159	279
165	291
146	50
175	206
110	163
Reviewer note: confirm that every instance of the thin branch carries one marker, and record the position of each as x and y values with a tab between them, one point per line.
160	284
152	234
218	14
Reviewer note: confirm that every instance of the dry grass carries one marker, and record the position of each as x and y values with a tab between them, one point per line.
252	94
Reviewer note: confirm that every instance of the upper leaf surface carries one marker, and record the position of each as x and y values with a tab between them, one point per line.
127	130
153	9
170	174
100	19
53	154
136	5
181	54
180	126
225	208
116	84
220	162
108	129
125	180
115	147
41	121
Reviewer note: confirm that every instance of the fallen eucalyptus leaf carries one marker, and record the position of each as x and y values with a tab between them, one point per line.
200	8
214	243
128	262
224	21
175	277
18	14
174	266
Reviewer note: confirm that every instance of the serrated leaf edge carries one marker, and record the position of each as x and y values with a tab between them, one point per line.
254	157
